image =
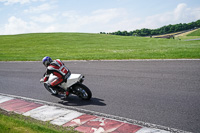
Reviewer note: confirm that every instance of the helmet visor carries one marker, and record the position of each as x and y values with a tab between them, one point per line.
46	63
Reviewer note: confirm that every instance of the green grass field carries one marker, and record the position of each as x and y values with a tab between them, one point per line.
84	46
14	123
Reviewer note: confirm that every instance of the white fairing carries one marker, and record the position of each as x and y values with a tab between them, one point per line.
51	78
72	79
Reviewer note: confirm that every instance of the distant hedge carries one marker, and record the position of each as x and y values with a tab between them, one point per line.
163	30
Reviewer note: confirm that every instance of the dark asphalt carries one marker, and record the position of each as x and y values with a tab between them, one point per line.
160	92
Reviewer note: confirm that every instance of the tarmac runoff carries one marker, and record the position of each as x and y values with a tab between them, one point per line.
83	120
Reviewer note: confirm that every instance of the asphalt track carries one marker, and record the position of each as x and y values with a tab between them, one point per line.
163	92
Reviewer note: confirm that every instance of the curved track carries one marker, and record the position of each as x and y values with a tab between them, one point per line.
163	92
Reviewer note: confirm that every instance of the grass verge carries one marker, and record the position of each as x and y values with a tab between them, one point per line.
83	46
15	123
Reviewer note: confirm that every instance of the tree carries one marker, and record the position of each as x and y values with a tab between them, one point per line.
162	30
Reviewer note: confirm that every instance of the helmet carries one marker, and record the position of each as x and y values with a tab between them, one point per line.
46	61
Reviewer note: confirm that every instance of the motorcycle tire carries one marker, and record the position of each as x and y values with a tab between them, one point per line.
52	91
82	91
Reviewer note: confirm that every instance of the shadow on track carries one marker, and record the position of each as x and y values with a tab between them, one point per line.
75	101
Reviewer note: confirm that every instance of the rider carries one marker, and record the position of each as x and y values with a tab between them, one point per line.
58	69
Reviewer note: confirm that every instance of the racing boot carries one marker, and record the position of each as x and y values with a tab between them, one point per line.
66	94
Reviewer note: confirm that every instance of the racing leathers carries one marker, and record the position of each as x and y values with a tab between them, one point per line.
58	69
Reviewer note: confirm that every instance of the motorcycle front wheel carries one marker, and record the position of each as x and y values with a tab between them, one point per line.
52	91
82	91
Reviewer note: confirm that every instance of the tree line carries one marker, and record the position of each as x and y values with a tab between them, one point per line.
159	31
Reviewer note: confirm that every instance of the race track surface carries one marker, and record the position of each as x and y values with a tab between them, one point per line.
163	92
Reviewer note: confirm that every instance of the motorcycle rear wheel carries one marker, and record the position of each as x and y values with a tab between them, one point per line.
82	91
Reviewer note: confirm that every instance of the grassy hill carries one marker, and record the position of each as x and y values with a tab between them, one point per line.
195	33
83	46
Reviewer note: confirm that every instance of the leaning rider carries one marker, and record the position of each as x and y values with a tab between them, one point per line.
58	69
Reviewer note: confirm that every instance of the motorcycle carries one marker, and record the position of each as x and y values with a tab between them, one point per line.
73	85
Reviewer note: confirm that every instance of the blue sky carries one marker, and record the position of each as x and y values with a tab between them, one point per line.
93	16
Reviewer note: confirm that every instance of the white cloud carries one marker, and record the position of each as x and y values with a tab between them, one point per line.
40	8
180	11
50	28
115	19
103	20
43	18
17	25
10	2
195	13
181	14
98	16
108	15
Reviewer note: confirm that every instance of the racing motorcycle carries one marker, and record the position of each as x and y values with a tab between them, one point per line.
73	85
